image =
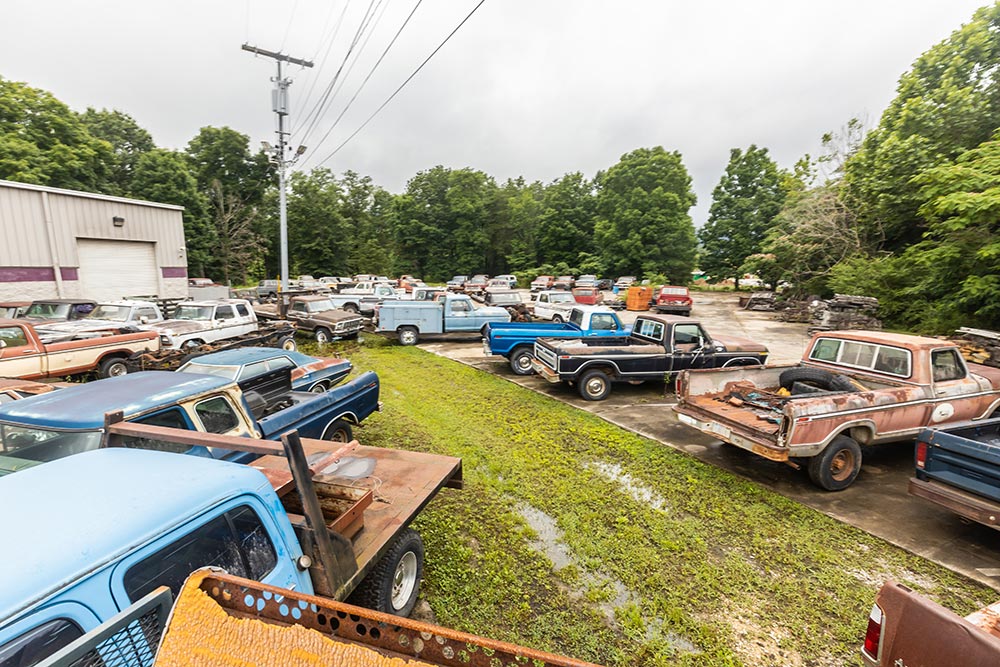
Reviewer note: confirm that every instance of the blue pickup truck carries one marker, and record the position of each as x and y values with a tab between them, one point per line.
115	524
959	468
72	420
516	340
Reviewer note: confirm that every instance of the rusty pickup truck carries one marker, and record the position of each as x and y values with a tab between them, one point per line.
313	313
852	388
30	354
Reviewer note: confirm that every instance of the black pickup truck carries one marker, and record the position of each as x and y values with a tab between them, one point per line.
658	347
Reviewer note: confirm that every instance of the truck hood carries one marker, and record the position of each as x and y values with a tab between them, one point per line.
75	326
335	316
180	327
491	311
737	344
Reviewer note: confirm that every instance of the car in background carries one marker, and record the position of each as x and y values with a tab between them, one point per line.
542	283
336	282
456	284
58	310
624	282
313	374
268	289
497	283
564	282
510	279
590	296
201	282
673	299
12	309
604	284
587	280
407	283
476	283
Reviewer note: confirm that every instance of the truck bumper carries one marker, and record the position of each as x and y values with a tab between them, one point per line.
486	347
545	372
981	510
727	434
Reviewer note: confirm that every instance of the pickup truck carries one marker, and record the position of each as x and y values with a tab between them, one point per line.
554	305
453	313
145	519
30	354
673	299
72	420
195	323
476	283
905	628
516	340
312	313
959	468
58	310
456	284
109	315
852	388
364	302
658	347
542	283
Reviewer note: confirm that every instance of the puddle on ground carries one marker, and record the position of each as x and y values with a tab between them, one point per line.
549	541
642	493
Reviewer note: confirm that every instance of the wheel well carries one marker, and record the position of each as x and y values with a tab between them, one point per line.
609	369
348	417
742	361
118	354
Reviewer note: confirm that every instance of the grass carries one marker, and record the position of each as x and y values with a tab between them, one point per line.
578	537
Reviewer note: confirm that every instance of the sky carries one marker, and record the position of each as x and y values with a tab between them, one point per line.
532	88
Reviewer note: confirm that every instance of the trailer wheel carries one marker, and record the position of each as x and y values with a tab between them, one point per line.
520	361
595	385
408	336
323	335
339	431
112	367
393	586
287	343
351	308
837	466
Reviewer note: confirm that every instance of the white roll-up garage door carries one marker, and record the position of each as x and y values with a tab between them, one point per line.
116	269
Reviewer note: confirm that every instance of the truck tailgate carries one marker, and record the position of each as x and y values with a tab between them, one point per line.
967	459
745	426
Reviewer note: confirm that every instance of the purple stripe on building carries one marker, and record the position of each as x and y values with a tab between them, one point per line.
174	271
27	274
69	273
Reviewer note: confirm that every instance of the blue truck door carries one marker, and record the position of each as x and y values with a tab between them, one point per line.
239	536
459	316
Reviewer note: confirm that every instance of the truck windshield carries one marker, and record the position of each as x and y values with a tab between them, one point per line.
49	311
562	297
320	306
193	313
513	297
108	311
39	444
229	372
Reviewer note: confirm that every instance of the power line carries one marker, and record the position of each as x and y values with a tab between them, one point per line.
288	28
369	76
402	85
326	54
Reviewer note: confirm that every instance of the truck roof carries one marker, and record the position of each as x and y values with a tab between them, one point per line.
83	406
95	507
886	338
212	302
247	355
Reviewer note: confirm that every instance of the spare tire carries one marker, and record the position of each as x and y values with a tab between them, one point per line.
816	377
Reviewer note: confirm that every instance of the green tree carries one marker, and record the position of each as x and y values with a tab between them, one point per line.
643	223
744	205
947	103
367	210
164	176
239	249
566	224
319	240
42	141
523	202
222	154
128	143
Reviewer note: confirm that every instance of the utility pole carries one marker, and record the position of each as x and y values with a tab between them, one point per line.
279	102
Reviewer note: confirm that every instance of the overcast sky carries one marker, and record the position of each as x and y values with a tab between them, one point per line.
529	88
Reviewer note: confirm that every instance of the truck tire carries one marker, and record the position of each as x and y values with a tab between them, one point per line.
594	385
816	377
393	586
557	319
408	335
352	308
339	431
287	343
837	466
520	361
112	367
322	335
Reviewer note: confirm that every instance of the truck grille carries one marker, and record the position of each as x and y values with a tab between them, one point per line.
546	356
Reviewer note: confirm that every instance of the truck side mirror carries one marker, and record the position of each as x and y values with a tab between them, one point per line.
143	319
3	344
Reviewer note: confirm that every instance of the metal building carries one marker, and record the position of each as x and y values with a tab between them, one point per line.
63	243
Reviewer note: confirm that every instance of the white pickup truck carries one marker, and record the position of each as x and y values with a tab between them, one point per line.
107	316
554	305
195	323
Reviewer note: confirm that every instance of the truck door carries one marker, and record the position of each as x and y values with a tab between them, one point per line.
951	383
241	537
690	348
19	357
459	316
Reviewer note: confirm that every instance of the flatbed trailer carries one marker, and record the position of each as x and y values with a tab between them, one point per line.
280	334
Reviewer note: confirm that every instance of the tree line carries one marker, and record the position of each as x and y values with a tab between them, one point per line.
906	211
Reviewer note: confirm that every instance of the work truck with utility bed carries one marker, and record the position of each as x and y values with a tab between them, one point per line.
657	348
312	313
516	340
452	313
851	389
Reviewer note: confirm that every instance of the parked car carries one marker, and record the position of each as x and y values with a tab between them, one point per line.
604	284
673	299
313	313
510	279
587	280
195	323
58	310
363	297
268	289
510	300
624	282
454	313
407	283
658	347
564	283
457	283
476	283
200	282
851	389
427	293
498	283
542	283
314	374
113	315
337	283
589	296
554	305
12	309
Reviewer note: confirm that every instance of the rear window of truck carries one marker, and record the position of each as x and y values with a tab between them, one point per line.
867	356
39	643
649	329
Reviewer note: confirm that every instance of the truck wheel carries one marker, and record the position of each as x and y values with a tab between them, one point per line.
595	385
818	378
339	431
520	361
351	308
557	319
323	335
394	585
408	336
837	466
287	343
112	367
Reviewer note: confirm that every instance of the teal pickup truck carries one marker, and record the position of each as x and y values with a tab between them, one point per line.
516	340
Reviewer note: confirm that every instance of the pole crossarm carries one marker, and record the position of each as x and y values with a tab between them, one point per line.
277	56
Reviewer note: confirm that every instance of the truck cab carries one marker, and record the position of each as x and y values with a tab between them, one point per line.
110	315
195	323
